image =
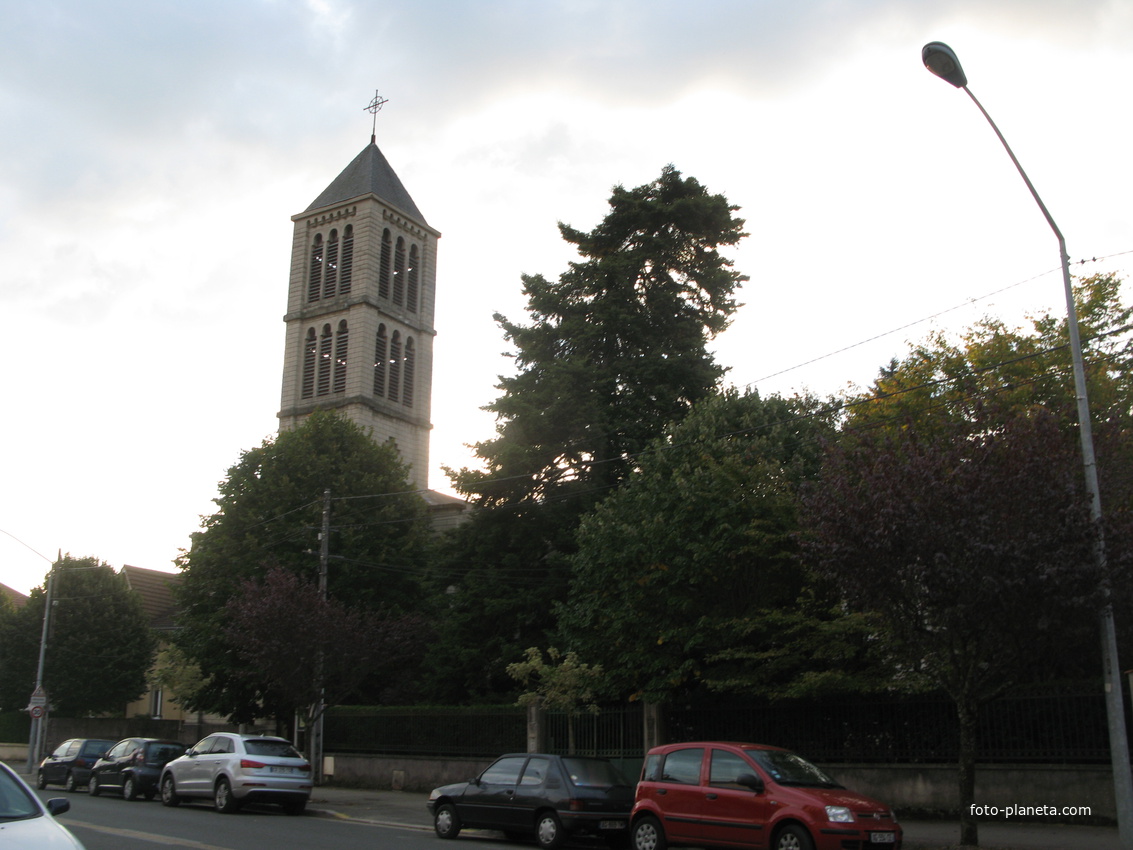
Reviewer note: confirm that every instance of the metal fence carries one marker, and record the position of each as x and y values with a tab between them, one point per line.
1061	728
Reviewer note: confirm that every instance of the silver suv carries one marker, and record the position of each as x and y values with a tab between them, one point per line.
233	769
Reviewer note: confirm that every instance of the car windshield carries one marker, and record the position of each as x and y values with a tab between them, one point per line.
593	773
15	802
280	749
790	769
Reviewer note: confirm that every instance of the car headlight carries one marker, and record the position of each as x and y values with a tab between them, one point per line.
839	814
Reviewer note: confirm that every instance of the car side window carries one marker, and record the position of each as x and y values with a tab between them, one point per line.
727	767
120	749
503	772
535	772
683	766
223	745
73	750
204	746
652	769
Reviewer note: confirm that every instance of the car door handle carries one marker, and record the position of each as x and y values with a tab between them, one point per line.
661	792
710	796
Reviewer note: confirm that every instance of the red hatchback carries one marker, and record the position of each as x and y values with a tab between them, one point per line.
723	794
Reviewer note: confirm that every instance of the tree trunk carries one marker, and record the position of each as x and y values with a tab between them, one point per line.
969	715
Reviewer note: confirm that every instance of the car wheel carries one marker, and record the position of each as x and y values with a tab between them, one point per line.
129	788
40	781
296	808
225	803
93	788
69	783
549	831
793	838
446	821
648	835
169	791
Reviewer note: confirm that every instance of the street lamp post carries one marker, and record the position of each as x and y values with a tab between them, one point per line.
941	60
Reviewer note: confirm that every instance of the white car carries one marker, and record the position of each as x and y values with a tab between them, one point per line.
232	769
25	822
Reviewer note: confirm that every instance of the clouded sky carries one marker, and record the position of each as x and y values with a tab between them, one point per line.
153	153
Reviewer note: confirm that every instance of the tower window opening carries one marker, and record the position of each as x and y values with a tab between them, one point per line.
330	268
381	357
346	267
399	272
310	355
395	366
408	372
384	264
341	346
322	383
411	285
315	277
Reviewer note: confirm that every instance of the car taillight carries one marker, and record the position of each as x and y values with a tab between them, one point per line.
248	764
306	768
577	805
80	762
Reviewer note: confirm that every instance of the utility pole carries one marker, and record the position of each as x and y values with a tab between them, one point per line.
38	705
320	706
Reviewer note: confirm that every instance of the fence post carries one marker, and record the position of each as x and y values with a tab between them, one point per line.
653	720
536	729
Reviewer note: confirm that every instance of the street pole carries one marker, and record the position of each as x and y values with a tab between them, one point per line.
320	707
941	60
38	724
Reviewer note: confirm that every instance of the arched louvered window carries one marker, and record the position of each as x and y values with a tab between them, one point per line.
384	265
408	373
330	272
381	362
399	272
322	380
310	355
395	366
315	278
346	267
341	348
411	285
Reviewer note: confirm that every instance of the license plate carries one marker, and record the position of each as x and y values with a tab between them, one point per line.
883	838
612	824
281	770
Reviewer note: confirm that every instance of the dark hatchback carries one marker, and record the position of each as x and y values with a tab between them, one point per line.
550	798
133	767
71	763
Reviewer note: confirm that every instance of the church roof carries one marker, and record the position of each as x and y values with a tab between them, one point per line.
369	173
18	599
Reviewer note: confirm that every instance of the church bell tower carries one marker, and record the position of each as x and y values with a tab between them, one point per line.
360	310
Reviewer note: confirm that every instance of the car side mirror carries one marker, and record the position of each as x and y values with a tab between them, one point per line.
58	805
750	780
191	753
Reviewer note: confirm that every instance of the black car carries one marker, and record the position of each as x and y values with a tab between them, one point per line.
71	763
533	794
133	766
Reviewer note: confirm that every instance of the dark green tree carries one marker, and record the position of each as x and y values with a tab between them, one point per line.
688	576
615	349
269	514
99	648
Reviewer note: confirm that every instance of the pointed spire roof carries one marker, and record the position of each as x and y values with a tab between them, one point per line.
369	173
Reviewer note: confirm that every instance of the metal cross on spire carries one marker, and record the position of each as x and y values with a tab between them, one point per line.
374	108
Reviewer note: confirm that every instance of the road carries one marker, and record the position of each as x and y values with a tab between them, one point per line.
110	823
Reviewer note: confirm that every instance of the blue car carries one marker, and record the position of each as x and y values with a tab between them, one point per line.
71	763
133	767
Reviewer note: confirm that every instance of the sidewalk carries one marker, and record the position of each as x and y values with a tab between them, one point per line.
404	808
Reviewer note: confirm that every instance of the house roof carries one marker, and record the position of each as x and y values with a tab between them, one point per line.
156	590
18	599
369	174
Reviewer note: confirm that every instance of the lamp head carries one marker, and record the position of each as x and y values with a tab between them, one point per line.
942	60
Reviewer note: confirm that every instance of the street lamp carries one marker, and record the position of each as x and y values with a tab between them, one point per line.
943	62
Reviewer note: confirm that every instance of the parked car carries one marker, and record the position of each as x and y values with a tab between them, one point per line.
725	794
233	769
133	767
25	821
71	763
534	794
